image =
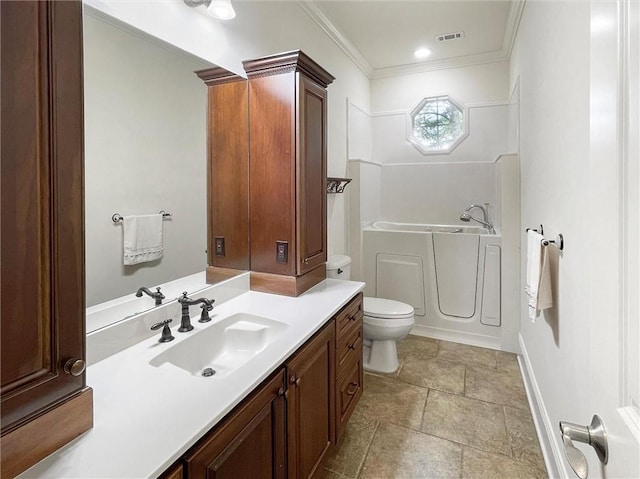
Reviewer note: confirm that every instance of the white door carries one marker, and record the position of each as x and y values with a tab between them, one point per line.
615	392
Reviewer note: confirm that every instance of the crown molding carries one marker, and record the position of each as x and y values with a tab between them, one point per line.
318	16
444	64
511	29
502	55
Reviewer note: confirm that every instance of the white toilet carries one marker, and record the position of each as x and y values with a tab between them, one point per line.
385	322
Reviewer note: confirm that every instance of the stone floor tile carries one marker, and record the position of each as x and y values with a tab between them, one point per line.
326	474
434	374
523	437
483	465
417	346
401	453
467	421
507	361
392	401
469	355
349	453
496	386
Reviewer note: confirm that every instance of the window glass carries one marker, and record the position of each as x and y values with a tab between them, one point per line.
438	124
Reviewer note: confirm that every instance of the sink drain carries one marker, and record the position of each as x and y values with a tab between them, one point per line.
208	372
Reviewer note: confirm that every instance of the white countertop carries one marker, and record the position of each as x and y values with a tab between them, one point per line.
146	417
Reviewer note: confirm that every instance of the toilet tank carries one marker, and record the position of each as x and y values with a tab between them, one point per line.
339	267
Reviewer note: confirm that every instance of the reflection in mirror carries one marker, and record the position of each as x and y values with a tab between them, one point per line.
145	151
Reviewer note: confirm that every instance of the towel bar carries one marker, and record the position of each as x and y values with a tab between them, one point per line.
559	241
116	217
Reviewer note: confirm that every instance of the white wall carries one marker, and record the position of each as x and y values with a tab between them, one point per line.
436	188
551	60
262	28
487	139
145	150
437	193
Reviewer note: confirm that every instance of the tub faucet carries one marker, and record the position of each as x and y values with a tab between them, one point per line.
158	296
185	302
466	216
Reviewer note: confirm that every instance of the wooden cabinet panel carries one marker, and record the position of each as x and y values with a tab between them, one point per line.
272	180
349	347
174	472
227	168
349	367
349	315
250	443
311	175
310	414
42	251
287	185
348	391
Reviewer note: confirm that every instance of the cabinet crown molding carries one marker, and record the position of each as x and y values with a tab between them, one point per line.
217	75
293	61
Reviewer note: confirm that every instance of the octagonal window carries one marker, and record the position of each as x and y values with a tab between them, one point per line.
438	125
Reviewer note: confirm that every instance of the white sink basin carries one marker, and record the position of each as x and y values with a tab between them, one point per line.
222	347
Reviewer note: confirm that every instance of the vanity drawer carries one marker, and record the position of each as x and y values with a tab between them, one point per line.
349	315
348	391
350	346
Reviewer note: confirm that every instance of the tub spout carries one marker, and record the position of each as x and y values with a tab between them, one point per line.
466	216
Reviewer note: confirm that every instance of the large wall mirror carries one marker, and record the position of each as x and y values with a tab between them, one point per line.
145	151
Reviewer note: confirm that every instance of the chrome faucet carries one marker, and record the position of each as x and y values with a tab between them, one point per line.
185	301
466	216
158	296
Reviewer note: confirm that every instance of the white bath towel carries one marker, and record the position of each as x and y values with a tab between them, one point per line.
142	238
538	287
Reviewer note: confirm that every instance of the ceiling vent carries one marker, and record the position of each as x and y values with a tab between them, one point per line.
450	36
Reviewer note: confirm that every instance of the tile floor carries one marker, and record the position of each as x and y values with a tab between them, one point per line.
450	411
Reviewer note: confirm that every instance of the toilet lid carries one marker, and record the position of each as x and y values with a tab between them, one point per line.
386	308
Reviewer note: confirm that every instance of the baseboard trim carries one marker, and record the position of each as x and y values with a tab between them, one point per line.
546	431
457	337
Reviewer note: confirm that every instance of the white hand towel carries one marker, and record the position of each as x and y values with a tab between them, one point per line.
538	287
142	238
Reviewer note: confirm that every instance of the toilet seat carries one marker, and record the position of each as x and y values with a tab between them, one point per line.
386	309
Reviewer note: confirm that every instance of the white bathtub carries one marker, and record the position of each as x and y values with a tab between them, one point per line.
450	274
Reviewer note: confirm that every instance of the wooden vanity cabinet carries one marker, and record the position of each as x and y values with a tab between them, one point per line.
310	407
287	427
42	253
288	165
227	173
249	443
349	367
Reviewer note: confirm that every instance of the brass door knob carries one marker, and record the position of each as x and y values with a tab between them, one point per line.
75	367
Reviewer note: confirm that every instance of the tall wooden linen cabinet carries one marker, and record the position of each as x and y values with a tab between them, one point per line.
285	116
44	399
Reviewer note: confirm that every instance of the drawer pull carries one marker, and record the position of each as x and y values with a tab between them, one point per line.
352	347
350	391
297	381
352	317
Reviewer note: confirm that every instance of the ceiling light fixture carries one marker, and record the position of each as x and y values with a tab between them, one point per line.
422	53
220	9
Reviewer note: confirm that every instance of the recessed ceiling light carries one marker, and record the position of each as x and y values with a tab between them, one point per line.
422	53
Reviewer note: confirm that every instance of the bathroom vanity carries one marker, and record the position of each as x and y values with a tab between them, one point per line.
276	411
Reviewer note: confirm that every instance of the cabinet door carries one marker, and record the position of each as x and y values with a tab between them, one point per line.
42	207
311	175
228	173
250	443
310	415
271	181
